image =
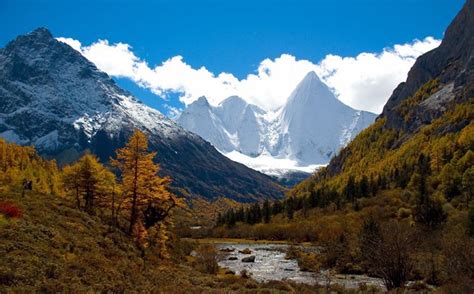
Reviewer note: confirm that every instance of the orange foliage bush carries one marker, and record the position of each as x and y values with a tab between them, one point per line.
10	210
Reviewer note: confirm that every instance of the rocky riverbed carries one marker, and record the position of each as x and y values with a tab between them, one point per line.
266	262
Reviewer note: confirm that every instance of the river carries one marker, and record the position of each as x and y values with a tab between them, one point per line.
270	264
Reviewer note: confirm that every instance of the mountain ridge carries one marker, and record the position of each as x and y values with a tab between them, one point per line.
55	99
311	127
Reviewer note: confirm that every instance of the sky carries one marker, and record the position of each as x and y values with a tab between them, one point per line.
168	53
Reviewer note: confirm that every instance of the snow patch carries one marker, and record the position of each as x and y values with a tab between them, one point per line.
270	165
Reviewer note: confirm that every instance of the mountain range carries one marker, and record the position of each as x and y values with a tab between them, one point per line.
307	131
55	99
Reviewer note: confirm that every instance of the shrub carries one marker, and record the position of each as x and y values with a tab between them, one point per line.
10	210
3	221
206	259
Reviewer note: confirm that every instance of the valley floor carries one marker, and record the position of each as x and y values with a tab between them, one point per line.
53	247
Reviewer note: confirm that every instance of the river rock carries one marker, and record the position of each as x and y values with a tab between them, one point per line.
232	258
245	251
227	250
250	258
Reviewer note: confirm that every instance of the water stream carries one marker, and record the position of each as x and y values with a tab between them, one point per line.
270	264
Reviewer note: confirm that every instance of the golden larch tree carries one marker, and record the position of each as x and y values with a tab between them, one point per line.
145	193
89	182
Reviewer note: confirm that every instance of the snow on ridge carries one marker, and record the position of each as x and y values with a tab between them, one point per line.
306	132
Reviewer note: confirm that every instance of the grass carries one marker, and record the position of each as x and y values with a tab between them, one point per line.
53	247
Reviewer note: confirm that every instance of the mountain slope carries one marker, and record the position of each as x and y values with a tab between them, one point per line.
431	115
311	127
55	99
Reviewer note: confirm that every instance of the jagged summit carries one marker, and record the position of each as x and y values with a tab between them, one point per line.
202	101
55	99
310	78
232	100
311	127
40	33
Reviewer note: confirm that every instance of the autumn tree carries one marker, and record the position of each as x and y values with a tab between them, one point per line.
387	250
89	182
145	193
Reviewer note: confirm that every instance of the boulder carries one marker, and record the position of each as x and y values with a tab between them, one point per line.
245	251
227	250
250	258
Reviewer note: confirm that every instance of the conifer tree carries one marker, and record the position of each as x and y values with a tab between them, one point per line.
145	192
89	181
267	213
350	189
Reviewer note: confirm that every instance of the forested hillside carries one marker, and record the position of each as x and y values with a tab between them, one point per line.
396	203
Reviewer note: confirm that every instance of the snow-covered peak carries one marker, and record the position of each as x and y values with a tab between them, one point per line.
59	89
200	102
233	101
311	91
310	77
310	128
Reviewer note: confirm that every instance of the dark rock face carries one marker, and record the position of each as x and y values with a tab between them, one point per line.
452	62
54	98
451	65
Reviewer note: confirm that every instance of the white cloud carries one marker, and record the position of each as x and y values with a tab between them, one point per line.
363	82
367	80
173	112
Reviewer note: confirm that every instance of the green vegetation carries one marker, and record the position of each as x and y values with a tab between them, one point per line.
394	205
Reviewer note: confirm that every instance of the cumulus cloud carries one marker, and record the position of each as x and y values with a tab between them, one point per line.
363	82
367	80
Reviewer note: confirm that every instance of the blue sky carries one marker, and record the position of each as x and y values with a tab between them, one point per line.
232	36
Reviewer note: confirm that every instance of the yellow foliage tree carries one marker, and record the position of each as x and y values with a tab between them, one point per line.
145	193
89	182
22	168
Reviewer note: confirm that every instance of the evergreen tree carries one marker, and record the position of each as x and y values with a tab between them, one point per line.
350	189
290	207
267	213
428	212
364	187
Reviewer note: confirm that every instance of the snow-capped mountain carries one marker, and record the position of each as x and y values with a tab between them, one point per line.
305	133
55	99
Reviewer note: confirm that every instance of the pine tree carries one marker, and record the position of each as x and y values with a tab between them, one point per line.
350	190
267	213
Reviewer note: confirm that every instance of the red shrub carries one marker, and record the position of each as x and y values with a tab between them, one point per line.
10	210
